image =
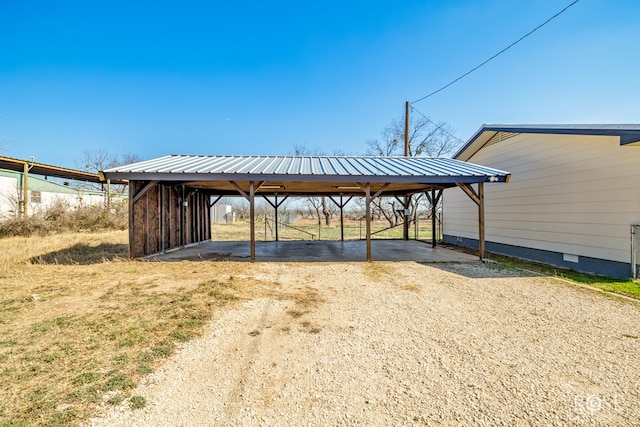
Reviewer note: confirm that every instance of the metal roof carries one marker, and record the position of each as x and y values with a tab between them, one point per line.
50	170
306	175
629	134
315	168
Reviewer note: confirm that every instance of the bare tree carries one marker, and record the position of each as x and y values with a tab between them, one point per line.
128	158
426	138
101	159
313	205
240	206
316	204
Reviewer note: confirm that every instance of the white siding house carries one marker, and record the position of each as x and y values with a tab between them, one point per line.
41	194
573	195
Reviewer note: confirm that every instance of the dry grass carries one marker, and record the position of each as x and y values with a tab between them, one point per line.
80	324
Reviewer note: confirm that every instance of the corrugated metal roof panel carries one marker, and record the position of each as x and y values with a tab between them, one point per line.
313	167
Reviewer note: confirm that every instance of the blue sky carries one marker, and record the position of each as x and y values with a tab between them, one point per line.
205	77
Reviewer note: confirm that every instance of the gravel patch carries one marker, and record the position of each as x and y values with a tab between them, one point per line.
403	344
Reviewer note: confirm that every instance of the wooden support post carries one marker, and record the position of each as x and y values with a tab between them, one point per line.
275	205
341	205
341	220
478	199
131	223
405	228
25	190
163	218
183	213
368	219
433	218
108	194
276	216
434	198
252	220
481	243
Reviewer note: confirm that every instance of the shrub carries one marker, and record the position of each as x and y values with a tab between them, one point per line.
59	217
30	226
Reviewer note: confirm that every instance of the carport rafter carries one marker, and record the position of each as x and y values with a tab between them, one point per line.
341	205
275	205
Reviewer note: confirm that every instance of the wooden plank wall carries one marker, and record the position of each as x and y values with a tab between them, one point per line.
160	208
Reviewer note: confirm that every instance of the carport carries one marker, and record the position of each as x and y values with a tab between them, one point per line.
170	197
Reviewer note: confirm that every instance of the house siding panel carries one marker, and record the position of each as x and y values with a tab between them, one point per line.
568	194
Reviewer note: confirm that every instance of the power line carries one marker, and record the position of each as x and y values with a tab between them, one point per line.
439	126
499	53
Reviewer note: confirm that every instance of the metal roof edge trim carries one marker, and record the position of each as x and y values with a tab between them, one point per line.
629	134
502	176
43	169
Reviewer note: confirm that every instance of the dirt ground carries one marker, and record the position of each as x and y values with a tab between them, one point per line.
402	344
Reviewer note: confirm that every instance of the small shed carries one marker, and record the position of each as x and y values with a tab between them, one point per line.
574	200
170	197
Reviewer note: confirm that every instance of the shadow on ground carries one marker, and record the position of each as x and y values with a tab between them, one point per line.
82	254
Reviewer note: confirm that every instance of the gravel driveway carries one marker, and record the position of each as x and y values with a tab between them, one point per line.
403	344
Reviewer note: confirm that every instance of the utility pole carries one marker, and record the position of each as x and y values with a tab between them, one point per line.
407	199
407	107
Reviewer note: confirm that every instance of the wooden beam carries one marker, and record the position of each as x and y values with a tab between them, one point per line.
380	190
478	199
341	205
214	202
276	204
143	190
240	190
468	189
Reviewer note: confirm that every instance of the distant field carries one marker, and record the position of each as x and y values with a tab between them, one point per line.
308	229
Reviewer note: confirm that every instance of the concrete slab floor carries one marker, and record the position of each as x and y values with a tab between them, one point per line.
317	251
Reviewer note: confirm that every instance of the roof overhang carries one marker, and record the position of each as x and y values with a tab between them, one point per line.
18	165
307	176
629	134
